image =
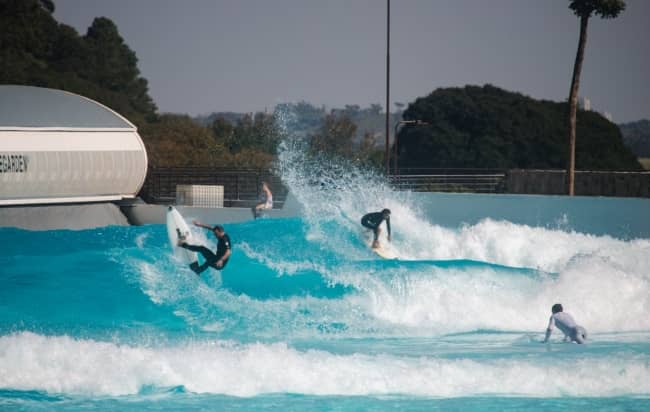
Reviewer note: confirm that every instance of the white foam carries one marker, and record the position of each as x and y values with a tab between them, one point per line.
61	364
446	301
510	244
601	281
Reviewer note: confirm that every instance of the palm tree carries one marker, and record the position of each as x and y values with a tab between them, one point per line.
606	9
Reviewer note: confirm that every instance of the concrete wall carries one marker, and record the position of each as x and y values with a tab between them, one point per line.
74	217
140	213
126	212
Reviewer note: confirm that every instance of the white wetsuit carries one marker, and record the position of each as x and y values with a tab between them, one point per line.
564	322
268	203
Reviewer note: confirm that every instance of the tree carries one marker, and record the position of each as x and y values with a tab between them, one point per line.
114	66
47	5
583	9
176	140
223	131
488	127
335	137
35	50
636	136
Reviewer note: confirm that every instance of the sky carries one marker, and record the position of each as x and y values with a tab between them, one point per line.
203	56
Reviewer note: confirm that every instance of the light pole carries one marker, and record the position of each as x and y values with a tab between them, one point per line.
402	122
387	152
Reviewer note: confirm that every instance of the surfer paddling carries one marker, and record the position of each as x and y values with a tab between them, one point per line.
217	260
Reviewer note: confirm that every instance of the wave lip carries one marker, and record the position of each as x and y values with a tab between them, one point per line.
60	364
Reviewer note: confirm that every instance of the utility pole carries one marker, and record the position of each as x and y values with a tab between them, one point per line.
387	152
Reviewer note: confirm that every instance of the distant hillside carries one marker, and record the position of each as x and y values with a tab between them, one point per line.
636	136
306	118
489	127
208	119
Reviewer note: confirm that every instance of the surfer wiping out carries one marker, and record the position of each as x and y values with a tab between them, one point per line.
216	260
373	220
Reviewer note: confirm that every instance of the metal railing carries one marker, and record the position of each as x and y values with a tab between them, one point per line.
450	180
241	186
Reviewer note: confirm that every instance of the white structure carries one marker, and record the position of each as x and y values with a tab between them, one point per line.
584	103
59	147
608	116
199	195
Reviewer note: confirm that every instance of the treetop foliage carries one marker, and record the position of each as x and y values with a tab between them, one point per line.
636	136
468	127
488	127
607	9
36	50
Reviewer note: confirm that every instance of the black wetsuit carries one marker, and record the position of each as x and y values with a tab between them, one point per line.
210	258
373	220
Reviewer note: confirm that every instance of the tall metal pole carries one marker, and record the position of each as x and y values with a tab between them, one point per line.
387	153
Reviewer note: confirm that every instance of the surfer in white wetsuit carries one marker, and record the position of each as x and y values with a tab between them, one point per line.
267	201
564	322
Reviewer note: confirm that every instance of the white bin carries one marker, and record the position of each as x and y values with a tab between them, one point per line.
199	195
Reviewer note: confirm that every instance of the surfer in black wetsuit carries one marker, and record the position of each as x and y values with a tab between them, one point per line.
216	260
373	220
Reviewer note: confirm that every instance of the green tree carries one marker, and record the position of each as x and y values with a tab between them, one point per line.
176	140
251	143
584	10
636	136
223	131
36	50
488	127
257	132
368	153
26	32
335	137
114	66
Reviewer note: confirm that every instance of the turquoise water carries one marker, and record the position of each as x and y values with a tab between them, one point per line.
305	317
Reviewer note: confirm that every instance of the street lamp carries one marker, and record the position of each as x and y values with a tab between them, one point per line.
387	152
397	125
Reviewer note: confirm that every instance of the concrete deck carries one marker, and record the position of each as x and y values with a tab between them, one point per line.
128	212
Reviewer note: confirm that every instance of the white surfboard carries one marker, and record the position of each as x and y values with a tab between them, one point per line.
176	227
385	252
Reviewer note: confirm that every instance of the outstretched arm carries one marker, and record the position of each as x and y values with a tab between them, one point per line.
199	224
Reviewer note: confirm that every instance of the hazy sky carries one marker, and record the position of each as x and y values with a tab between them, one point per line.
202	56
